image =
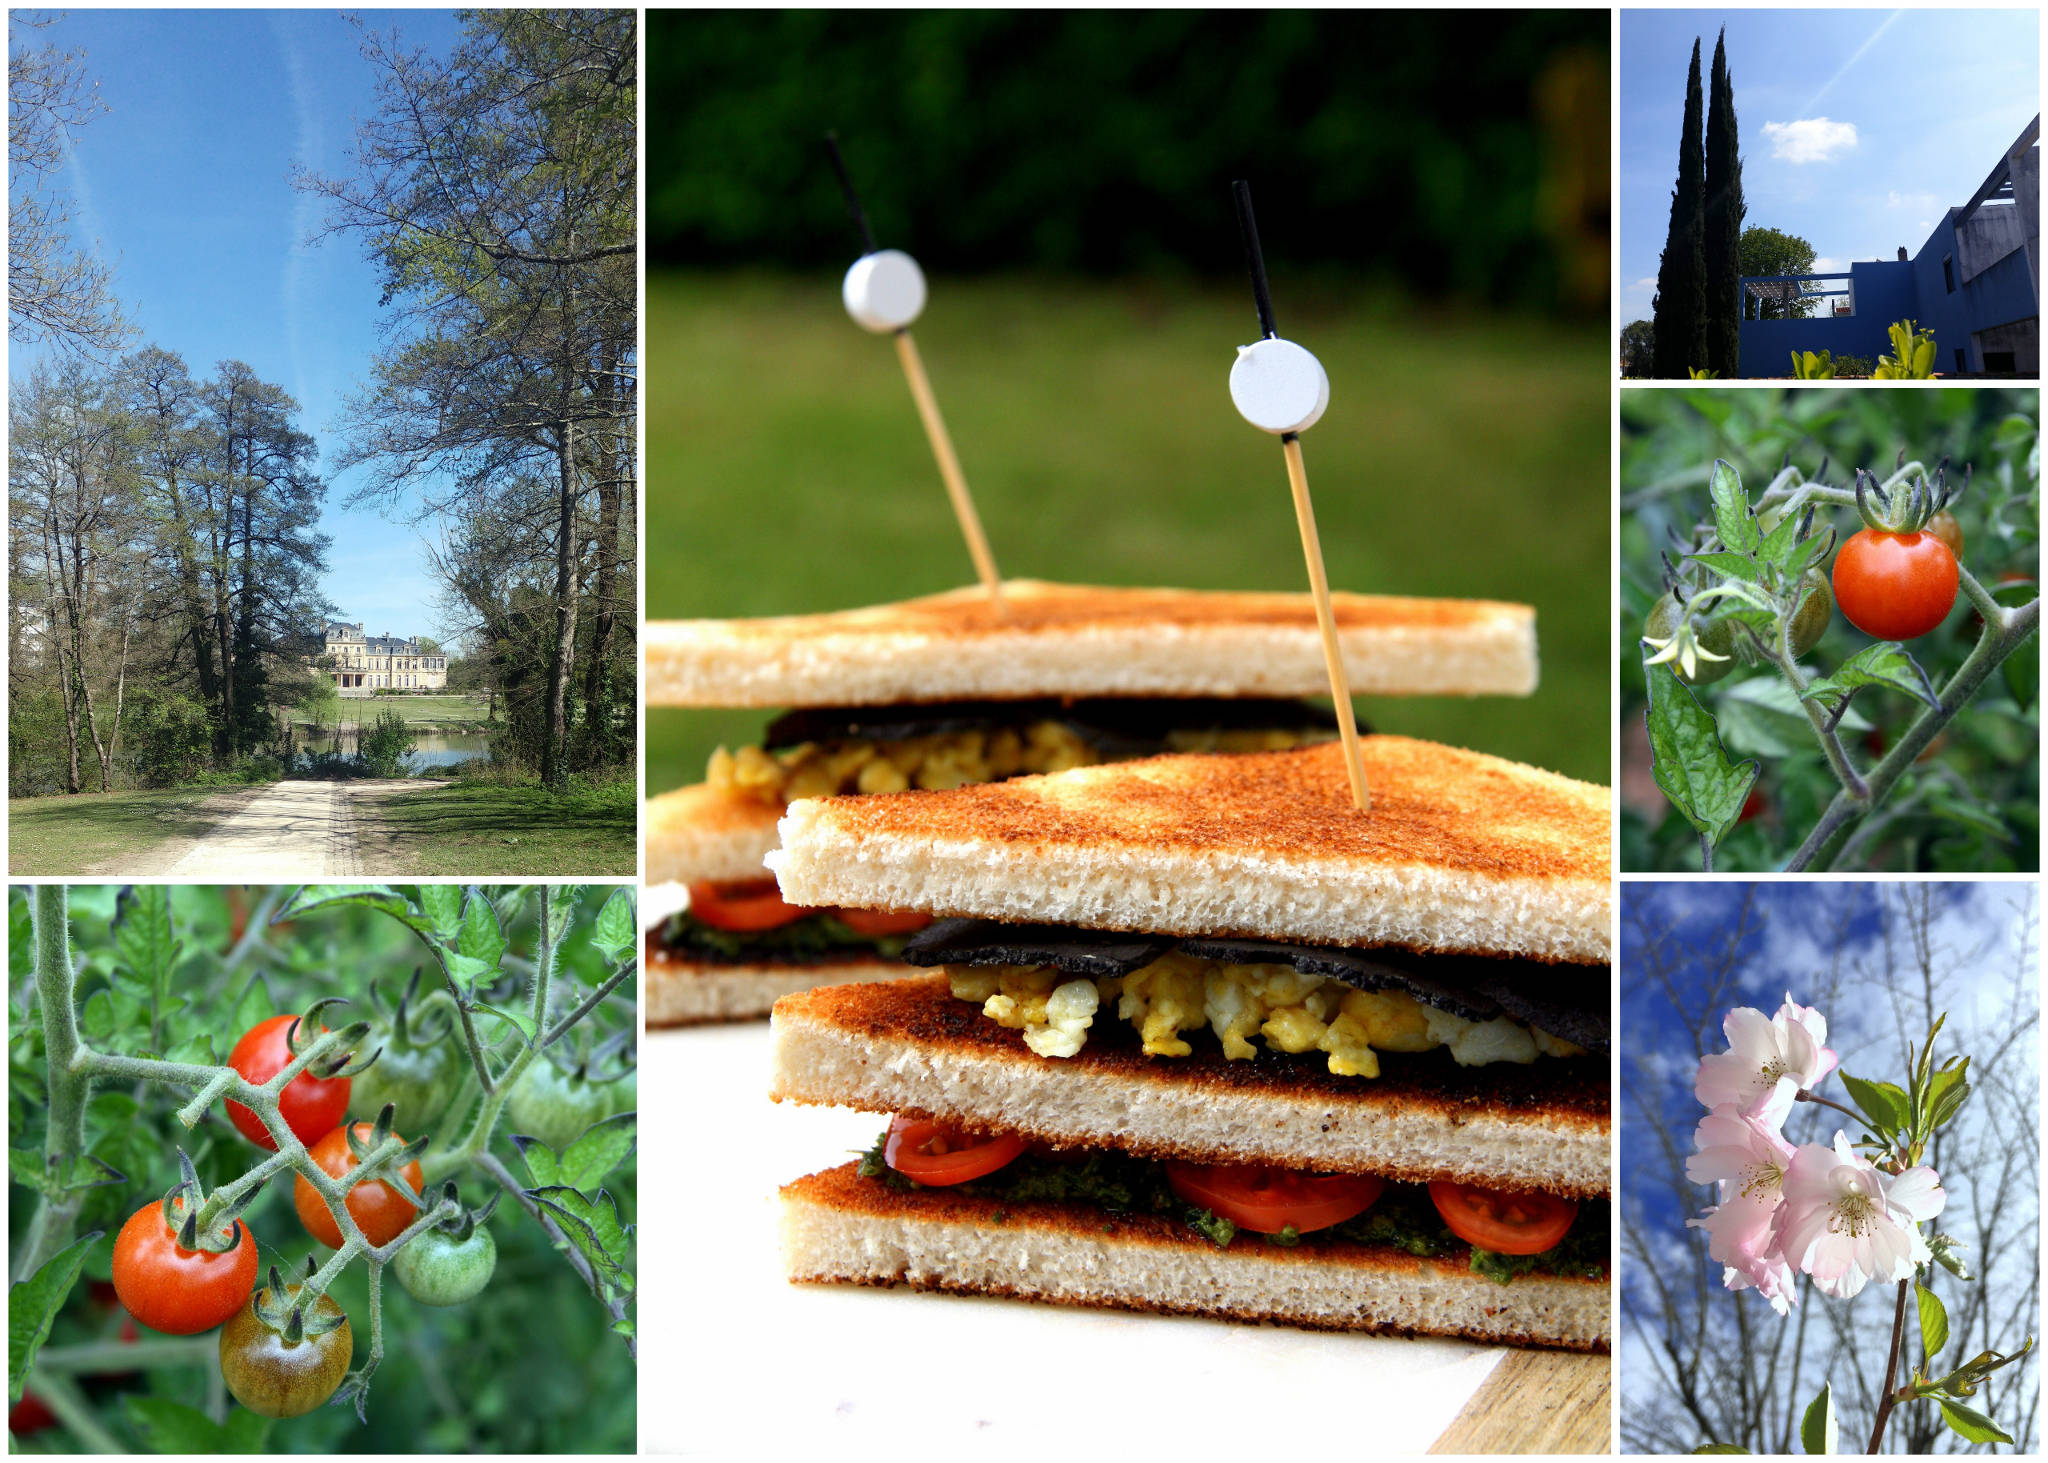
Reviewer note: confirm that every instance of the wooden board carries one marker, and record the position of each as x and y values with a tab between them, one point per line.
1537	1402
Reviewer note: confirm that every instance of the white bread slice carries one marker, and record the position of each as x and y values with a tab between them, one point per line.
705	832
684	992
1461	852
1083	640
837	1226
908	1047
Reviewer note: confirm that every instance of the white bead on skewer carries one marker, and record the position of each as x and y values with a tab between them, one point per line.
884	291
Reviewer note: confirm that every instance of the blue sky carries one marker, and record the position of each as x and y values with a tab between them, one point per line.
1846	949
183	180
1859	128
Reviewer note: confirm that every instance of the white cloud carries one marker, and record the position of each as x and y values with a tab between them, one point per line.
1828	264
1642	287
1919	202
1810	139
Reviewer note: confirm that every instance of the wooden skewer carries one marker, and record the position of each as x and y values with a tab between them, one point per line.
949	467
1326	615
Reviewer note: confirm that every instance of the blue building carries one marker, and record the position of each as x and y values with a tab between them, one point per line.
1976	284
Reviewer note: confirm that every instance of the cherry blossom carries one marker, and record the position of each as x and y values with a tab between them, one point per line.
1769	1061
1747	1159
1845	1221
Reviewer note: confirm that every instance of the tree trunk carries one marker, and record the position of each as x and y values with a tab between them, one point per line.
120	687
554	756
53	555
598	718
75	613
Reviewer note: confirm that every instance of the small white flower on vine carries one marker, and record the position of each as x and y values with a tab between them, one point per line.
1769	1061
1846	1222
1684	646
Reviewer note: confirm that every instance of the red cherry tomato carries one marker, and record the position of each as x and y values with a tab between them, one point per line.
378	1209
1268	1200
30	1415
176	1290
742	908
1506	1223
1895	586
876	923
310	1105
935	1154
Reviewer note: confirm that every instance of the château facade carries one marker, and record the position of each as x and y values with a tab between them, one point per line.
363	664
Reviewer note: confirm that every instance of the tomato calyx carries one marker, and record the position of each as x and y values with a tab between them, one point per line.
295	1311
463	1221
200	1223
305	1030
1908	509
390	1167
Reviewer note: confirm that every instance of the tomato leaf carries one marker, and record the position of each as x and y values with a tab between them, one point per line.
543	1166
1729	565
2022	677
1732	518
1686	757
1884	1103
1972	1424
482	937
593	1228
382	897
602	1148
32	1304
1885	664
442	905
1818	1430
1933	1320
616	931
518	1019
145	941
172	1427
562	909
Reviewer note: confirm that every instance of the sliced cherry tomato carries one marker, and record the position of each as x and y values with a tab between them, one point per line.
935	1154
875	923
1268	1200
1506	1223
742	908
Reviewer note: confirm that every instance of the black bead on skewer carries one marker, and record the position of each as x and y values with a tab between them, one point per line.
1253	259
860	215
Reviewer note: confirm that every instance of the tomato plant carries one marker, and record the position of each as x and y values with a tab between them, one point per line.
1900	734
418	1071
126	1007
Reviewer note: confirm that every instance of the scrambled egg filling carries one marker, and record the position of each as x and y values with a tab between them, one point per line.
1288	1010
948	759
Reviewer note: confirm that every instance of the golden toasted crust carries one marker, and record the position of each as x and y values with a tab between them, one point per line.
682	992
863	1232
1102	641
1460	851
907	1046
705	832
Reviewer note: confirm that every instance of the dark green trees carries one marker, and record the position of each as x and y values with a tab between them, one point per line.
1724	212
1679	311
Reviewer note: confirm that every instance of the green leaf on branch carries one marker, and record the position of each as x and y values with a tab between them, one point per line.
442	906
1819	1430
1972	1424
602	1148
1947	1090
1687	759
593	1228
517	1019
1732	520
1933	1320
1887	665
172	1427
616	931
561	909
464	971
380	897
1884	1103
32	1304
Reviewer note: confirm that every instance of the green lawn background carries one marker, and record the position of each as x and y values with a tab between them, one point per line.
1462	455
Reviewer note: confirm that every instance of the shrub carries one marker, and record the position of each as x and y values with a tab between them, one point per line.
170	738
386	744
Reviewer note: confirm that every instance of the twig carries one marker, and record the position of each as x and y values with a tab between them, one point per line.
1891	1370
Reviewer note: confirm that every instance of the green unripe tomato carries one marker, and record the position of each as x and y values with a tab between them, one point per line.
1810	620
1717	636
419	1081
279	1379
437	1269
556	1106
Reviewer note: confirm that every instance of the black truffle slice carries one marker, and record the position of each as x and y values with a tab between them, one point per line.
1097	954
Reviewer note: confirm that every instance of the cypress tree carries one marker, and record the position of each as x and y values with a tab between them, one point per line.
1679	311
1724	219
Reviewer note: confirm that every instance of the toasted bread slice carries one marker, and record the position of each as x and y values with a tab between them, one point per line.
837	1226
705	832
1461	852
907	1046
1080	640
683	992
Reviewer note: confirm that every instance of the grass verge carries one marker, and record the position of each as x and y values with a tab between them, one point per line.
113	833
492	829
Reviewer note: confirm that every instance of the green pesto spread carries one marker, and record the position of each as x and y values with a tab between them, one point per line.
1402	1218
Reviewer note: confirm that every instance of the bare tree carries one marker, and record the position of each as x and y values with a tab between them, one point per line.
56	292
1702	1365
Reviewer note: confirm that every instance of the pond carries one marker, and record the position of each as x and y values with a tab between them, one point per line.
435	749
